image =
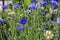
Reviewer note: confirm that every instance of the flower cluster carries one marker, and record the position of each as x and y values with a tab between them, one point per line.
14	6
34	5
22	21
55	3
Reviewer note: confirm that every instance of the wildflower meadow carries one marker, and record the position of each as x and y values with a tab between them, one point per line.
29	19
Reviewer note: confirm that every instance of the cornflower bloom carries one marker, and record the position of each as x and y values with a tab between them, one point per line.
16	5
23	21
20	27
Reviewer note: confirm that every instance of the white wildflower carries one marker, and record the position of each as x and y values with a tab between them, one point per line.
48	34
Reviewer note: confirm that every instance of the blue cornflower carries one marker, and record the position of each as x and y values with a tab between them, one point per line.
37	7
2	20
20	27
51	21
16	5
43	13
32	6
23	21
58	20
55	3
43	3
4	7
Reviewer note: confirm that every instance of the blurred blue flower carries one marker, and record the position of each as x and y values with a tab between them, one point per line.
43	13
4	7
58	20
2	20
43	3
51	21
52	0
37	7
55	3
46	0
20	27
16	5
32	6
37	0
34	0
23	21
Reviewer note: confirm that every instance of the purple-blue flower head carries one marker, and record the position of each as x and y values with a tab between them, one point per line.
2	20
23	21
55	3
43	3
51	21
4	7
37	7
58	20
43	13
32	6
16	5
20	27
